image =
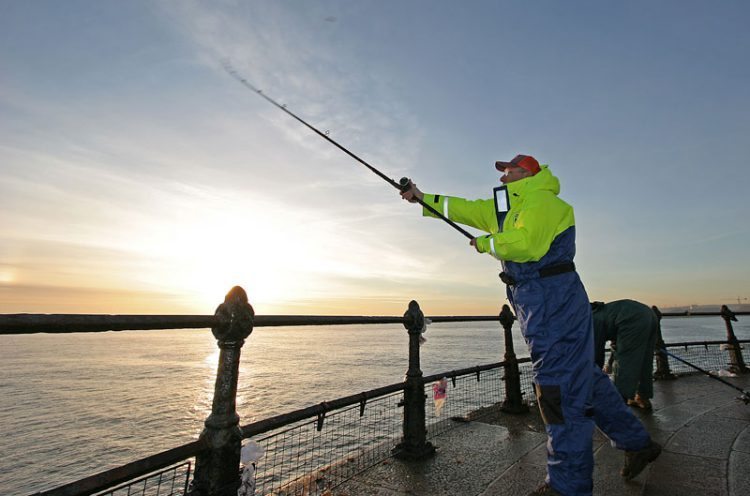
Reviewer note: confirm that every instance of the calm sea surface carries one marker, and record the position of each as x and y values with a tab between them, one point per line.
75	404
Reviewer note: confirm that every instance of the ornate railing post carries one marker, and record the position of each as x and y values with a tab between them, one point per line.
414	444
662	361
513	402
736	361
217	467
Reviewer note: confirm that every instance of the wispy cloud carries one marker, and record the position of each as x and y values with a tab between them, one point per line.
297	66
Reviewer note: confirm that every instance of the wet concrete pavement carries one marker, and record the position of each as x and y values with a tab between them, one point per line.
704	429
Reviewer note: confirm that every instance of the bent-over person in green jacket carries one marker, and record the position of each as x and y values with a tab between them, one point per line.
634	327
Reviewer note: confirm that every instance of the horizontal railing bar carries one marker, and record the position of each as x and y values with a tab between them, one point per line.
464	318
703	343
67	323
305	320
460	372
26	323
470	370
698	314
123	473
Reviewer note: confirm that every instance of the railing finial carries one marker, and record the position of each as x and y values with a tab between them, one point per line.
217	467
234	316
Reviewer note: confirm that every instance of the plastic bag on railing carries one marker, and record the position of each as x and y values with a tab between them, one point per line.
726	373
439	394
251	453
423	339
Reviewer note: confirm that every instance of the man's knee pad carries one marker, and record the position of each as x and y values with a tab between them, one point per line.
550	404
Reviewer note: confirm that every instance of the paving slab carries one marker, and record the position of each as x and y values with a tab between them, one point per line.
708	437
742	443
738	474
735	409
468	457
520	479
674	474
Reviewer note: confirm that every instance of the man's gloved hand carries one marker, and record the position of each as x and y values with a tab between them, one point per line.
481	243
473	243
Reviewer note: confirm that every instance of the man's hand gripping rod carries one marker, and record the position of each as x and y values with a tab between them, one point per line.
402	185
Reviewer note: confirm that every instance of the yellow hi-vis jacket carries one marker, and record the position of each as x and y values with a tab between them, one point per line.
535	218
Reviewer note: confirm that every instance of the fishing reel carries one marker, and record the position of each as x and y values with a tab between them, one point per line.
404	184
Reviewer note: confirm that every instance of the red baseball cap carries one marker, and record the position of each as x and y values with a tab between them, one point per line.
524	161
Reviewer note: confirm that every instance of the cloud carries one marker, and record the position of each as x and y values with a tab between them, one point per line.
288	58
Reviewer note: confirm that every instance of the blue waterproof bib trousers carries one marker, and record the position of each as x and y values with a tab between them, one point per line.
554	314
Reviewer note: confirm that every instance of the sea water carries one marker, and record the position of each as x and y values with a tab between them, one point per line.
75	404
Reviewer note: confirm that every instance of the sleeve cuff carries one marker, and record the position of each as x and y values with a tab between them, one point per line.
483	244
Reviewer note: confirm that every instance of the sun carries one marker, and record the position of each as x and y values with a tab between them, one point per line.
213	246
287	259
235	254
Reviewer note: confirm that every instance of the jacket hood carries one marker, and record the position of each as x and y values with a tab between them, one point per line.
541	181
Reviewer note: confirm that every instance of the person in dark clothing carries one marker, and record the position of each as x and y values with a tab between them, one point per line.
634	327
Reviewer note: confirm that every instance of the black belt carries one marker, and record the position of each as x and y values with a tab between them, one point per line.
550	271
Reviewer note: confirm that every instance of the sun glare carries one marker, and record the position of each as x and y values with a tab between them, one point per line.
213	247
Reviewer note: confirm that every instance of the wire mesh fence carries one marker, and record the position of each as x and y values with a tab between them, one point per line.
172	481
469	397
711	357
527	381
464	395
313	456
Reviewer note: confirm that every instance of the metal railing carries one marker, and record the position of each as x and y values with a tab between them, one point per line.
311	450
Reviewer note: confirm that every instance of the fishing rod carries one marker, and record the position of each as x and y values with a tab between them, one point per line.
403	185
745	394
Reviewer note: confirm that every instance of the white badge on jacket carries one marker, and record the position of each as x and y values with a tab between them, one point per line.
502	205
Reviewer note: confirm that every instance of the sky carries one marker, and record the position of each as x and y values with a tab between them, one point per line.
137	176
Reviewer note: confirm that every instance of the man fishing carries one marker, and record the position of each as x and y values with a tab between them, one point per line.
634	327
532	232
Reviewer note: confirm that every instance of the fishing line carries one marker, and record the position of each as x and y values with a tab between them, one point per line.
745	394
403	185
